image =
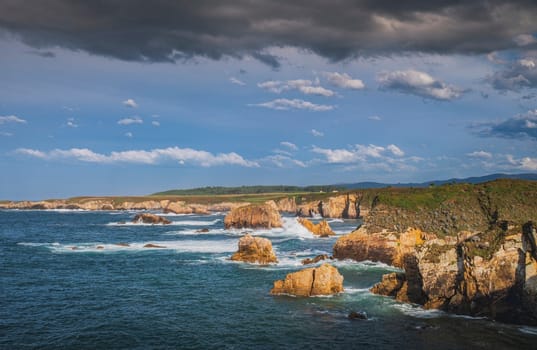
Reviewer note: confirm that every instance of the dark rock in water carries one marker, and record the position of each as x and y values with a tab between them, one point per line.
357	315
122	244
74	248
121	223
203	230
150	245
314	260
100	247
147	218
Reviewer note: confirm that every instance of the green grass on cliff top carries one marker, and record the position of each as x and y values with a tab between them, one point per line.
504	192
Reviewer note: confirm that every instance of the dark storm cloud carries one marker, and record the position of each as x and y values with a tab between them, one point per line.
167	30
516	75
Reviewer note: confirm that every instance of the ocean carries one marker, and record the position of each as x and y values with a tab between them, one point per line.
66	283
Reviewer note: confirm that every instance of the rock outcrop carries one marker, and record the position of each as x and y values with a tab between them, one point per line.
469	250
321	229
314	260
146	218
345	206
255	250
253	216
287	205
322	280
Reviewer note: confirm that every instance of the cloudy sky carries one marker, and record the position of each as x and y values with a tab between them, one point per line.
134	97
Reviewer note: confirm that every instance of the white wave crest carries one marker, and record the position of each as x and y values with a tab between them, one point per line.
182	246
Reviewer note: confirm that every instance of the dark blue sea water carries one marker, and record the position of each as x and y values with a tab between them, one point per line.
58	290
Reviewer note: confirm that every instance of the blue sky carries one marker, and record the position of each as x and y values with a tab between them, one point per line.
80	121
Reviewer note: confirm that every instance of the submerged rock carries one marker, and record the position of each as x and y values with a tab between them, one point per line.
255	250
357	315
147	218
322	280
203	230
253	216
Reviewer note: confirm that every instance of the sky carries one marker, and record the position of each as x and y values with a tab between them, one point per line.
135	97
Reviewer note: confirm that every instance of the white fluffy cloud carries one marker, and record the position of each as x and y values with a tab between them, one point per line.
11	119
71	123
236	81
155	123
524	39
130	103
305	86
344	81
316	133
130	120
128	134
359	153
418	83
283	104
525	163
154	156
289	145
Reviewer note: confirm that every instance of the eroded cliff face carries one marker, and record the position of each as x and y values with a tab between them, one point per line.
346	206
471	253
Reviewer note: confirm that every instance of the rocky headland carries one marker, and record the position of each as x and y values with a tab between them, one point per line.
468	249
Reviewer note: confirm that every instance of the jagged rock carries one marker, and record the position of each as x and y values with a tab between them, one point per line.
226	206
151	245
357	315
147	218
391	284
321	229
287	205
340	206
315	260
323	280
387	247
253	216
255	250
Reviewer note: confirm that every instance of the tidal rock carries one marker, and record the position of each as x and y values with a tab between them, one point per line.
203	230
391	284
123	244
357	315
253	216
100	247
287	205
321	229
178	208
147	218
151	245
323	280
255	250
315	260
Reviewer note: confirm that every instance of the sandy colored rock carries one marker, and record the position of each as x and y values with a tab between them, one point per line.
179	207
253	216
323	280
147	218
287	205
321	229
255	250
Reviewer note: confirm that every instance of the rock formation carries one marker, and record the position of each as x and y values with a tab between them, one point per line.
463	248
323	280
253	216
147	218
321	229
255	250
315	260
347	206
287	205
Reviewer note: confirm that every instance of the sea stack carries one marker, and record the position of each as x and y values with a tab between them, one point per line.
323	280
255	250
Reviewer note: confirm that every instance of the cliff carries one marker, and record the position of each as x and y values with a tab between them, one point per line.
469	249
